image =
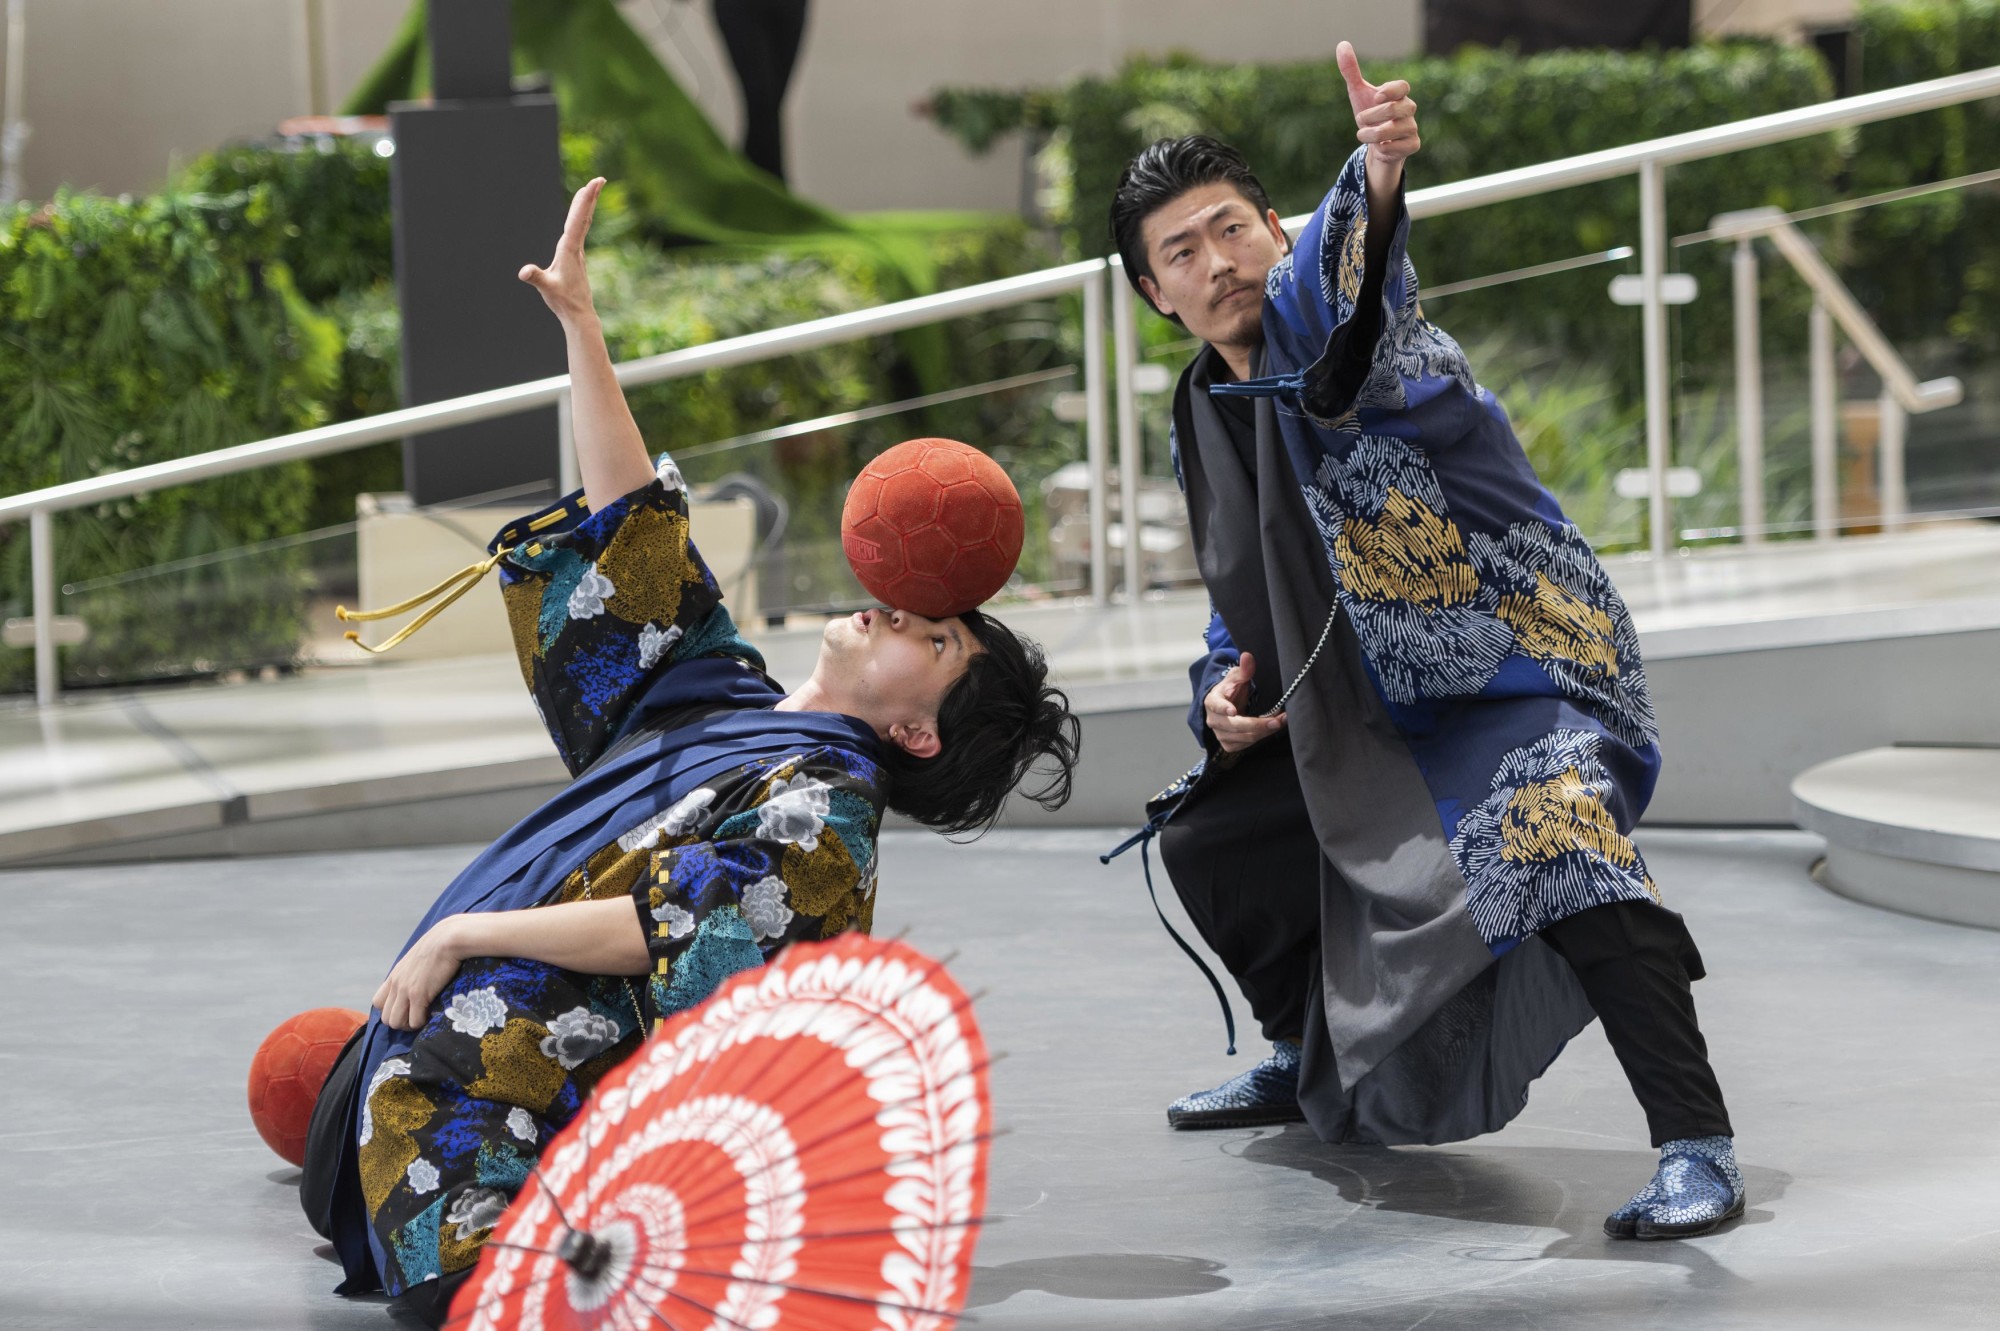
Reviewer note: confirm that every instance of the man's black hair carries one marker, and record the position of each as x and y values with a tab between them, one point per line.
1162	173
996	725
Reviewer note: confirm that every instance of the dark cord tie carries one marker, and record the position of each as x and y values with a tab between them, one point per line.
1143	839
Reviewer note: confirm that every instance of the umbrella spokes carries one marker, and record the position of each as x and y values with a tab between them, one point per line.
834	1134
807	1149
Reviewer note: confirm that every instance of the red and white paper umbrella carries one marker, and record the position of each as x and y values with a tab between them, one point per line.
807	1149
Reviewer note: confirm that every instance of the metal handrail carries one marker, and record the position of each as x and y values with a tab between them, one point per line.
1833	304
1695	144
1648	160
37	506
1840	303
493	403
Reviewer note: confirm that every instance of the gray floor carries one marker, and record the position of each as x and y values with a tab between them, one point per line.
1857	1048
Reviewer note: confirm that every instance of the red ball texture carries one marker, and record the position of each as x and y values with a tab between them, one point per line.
288	1070
933	526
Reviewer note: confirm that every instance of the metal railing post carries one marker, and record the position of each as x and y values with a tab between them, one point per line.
1749	394
570	471
42	578
1653	312
1889	459
1824	390
1131	463
1094	432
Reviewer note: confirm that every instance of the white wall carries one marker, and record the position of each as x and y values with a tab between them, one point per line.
1787	19
117	90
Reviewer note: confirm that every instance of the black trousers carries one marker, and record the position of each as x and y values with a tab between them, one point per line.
763	38
1246	864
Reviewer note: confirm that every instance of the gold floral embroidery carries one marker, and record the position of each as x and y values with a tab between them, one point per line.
648	564
1547	819
1554	624
1409	553
821	881
611	872
516	1071
397	1109
1354	260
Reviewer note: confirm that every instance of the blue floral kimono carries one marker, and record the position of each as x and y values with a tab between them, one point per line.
733	828
1475	742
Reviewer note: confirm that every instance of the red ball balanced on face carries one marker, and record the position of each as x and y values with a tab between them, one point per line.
933	526
287	1071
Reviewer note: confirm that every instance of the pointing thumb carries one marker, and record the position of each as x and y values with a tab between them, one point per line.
1350	69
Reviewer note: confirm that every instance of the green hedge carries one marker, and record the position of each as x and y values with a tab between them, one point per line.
141	331
255	297
1563	358
1956	232
1482	111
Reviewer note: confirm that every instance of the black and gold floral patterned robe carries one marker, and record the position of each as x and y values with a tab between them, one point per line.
733	828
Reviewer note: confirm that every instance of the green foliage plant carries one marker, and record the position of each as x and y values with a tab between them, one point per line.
138	331
1483	111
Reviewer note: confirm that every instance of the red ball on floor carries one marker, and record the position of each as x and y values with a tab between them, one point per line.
287	1071
932	525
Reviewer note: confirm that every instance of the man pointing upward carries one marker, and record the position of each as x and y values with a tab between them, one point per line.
1420	870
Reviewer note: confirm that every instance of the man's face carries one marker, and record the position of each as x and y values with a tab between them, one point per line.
894	667
1210	250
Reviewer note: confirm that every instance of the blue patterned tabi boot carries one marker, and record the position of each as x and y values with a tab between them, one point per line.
1267	1093
1696	1190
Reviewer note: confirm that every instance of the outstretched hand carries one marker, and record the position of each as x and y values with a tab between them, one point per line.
1225	709
564	285
1384	116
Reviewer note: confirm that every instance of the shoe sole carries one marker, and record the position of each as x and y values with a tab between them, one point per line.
1647	1231
1202	1120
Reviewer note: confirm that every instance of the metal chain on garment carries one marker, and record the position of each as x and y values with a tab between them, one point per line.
631	994
1306	669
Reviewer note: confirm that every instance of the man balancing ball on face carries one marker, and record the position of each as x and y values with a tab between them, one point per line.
1419	871
713	819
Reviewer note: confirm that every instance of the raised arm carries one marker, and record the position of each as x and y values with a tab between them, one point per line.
610	454
1385	120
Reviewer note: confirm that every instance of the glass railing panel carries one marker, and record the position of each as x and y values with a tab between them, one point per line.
1890	251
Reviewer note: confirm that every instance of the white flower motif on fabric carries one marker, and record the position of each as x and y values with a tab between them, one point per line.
475	1209
586	601
477	1011
655	642
423	1176
1530	551
670	475
1443	647
796	812
765	909
522	1124
678	820
387	1068
577	1036
680	923
1529	862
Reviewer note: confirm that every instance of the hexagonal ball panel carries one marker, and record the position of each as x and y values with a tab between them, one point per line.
946	465
968	513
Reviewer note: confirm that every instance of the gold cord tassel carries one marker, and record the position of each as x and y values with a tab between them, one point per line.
453	587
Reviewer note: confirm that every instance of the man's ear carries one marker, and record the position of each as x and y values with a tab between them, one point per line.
918	739
1151	291
1277	226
